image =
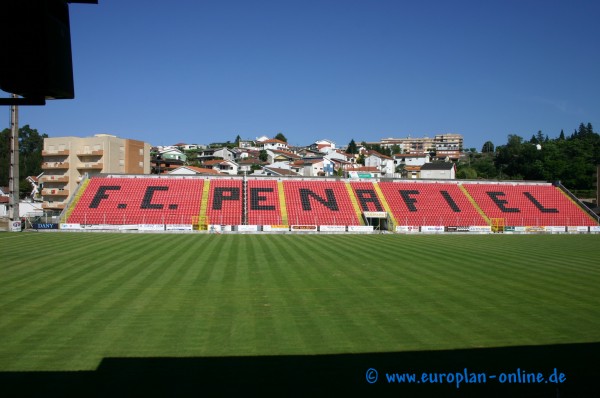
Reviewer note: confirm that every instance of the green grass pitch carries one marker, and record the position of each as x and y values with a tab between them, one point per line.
69	299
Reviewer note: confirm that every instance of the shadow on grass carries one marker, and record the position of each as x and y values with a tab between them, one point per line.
499	372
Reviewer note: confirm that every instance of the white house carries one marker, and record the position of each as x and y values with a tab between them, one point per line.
273	144
224	166
192	170
384	163
275	172
323	145
414	159
340	155
439	171
224	153
315	167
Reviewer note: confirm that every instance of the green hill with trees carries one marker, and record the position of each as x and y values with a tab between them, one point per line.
570	159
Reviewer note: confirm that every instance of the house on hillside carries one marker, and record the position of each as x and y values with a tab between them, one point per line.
281	156
414	159
276	172
322	146
225	153
224	166
384	163
273	144
314	167
171	153
364	172
248	164
439	171
192	170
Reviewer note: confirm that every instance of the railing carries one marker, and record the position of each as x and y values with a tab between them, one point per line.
53	205
52	178
94	165
55	191
579	202
98	152
55	165
64	152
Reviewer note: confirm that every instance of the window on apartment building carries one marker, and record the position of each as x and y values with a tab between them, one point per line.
141	164
121	162
141	152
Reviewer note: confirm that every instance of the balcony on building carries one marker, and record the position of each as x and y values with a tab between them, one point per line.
55	165
53	205
54	178
64	152
55	192
90	166
98	152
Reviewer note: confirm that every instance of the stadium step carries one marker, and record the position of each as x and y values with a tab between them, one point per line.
479	210
75	200
355	204
203	221
386	206
284	216
565	194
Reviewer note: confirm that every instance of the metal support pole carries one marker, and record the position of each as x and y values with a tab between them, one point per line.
13	179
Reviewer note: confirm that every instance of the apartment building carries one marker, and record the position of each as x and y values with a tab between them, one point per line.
66	160
445	145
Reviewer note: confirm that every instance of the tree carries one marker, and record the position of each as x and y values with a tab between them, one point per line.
401	169
572	160
281	137
31	144
263	155
488	147
352	148
361	159
237	140
466	173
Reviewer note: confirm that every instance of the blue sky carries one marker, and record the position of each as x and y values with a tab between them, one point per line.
200	71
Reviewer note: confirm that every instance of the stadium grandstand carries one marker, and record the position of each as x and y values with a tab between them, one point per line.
252	204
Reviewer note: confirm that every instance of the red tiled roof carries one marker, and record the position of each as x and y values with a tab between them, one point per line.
273	141
202	170
213	162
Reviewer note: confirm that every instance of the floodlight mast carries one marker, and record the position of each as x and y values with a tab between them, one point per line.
13	179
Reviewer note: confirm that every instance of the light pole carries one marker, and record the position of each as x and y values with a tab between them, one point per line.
13	179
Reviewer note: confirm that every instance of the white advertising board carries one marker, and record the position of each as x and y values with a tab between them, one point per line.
71	227
247	228
360	228
407	228
432	228
151	227
480	228
332	228
276	228
179	227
